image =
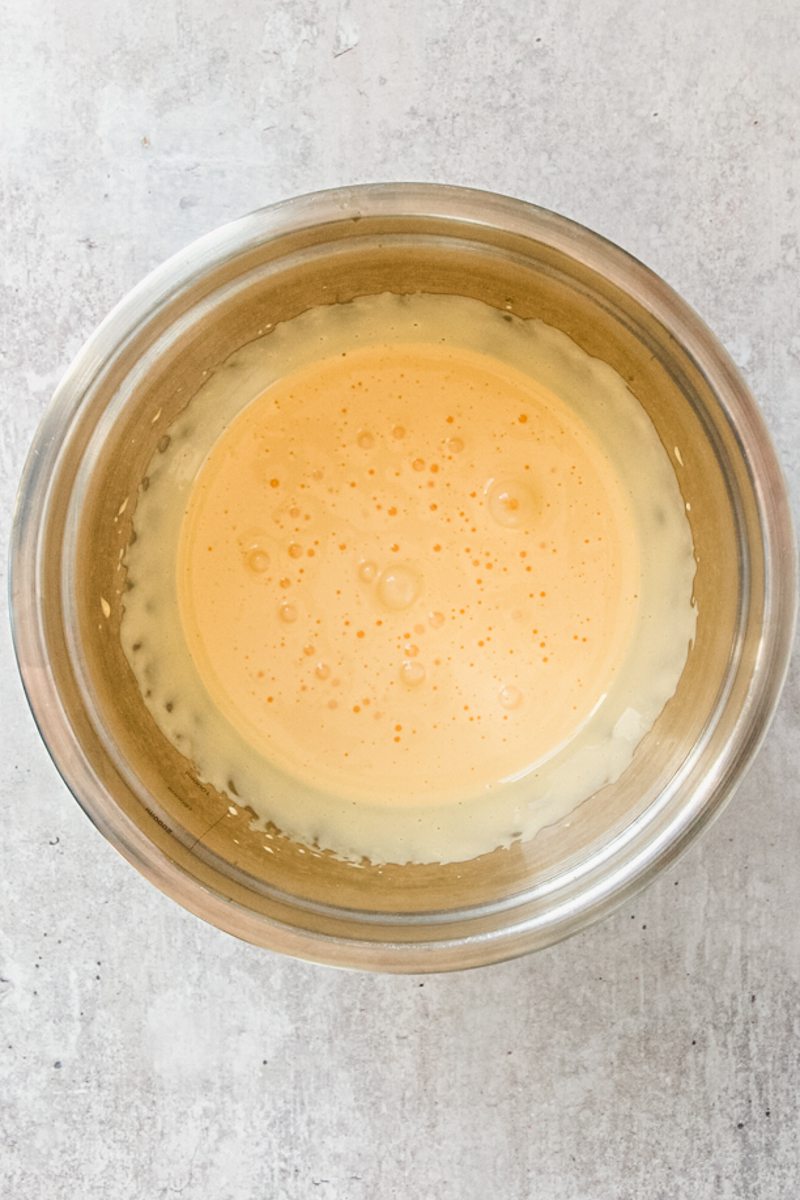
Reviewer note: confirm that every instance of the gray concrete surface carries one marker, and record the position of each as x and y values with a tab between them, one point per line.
143	1055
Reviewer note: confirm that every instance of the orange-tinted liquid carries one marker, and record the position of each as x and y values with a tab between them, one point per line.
411	579
407	572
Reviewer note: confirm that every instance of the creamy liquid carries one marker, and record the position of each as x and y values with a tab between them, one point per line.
412	578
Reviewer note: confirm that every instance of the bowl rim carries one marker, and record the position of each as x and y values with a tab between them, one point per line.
595	897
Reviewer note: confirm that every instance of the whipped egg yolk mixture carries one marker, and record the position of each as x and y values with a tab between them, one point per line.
411	576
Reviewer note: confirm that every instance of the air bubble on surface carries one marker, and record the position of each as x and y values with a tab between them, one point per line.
412	673
511	502
510	696
398	587
256	559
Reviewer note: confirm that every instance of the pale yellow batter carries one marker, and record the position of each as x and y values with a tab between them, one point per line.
417	578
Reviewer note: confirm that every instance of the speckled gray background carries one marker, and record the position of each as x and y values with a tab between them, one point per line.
143	1055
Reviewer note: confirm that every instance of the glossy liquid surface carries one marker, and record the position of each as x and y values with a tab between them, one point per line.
418	554
418	578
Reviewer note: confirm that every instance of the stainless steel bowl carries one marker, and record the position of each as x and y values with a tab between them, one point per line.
91	452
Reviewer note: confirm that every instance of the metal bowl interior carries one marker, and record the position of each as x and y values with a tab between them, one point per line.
90	456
